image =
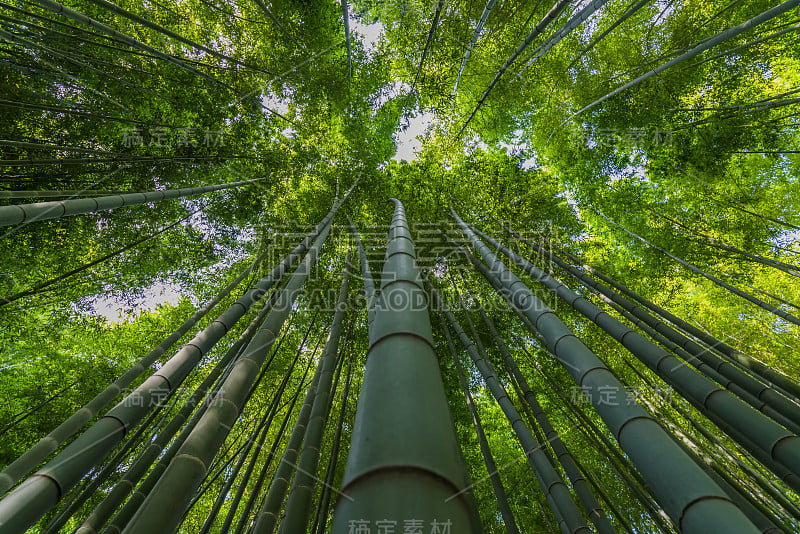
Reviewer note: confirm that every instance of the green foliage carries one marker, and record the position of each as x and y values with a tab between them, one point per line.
710	143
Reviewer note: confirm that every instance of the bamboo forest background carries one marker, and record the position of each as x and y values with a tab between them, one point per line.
652	144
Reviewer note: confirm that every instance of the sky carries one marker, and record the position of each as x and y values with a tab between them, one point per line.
113	309
407	140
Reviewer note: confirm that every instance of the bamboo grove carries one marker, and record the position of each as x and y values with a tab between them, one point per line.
574	309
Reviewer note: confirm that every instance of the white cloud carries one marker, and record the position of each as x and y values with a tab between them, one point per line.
407	139
368	34
114	310
275	103
389	92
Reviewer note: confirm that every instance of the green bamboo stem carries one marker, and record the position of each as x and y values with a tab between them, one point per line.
244	517
366	274
149	24
45	146
557	8
475	35
688	495
44	489
103	511
73	111
91	486
562	32
625	16
346	21
327	488
621	464
735	458
712	343
163	506
775	446
754	511
736	291
33	456
428	42
509	521
587	498
23	163
267	518
275	21
329	408
600	490
61	9
298	504
234	504
704	367
55	194
42	211
257	440
410	468
708	43
550	481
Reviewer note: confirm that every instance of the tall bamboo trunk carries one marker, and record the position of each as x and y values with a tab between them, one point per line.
245	522
557	8
33	456
428	42
475	34
40	492
404	462
323	508
298	504
261	431
780	381
587	498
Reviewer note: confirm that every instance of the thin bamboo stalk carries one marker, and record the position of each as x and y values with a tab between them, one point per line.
775	446
552	484
784	383
699	49
267	517
327	487
33	456
234	505
298	504
509	521
244	517
587	498
736	291
103	511
40	492
42	211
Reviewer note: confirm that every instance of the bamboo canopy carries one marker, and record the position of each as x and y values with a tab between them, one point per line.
595	366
